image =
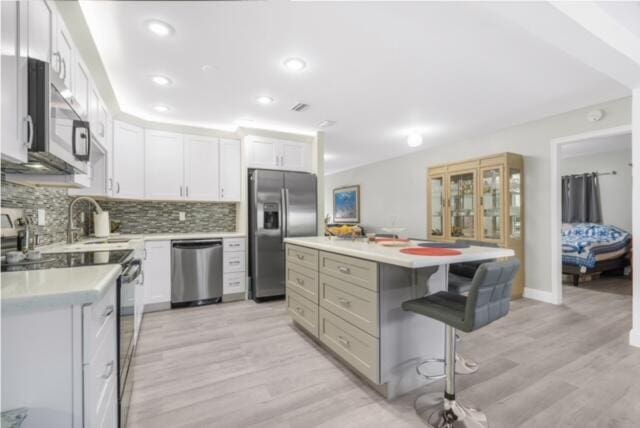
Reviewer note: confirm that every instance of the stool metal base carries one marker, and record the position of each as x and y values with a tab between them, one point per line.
465	366
438	412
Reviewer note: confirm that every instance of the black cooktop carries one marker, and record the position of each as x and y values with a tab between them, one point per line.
65	260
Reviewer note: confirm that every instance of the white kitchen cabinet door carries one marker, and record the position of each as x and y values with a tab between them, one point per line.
295	156
230	170
41	22
94	112
81	85
157	272
128	161
201	159
102	120
263	153
15	123
164	166
62	55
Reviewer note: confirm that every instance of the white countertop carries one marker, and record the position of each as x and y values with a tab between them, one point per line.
54	288
363	249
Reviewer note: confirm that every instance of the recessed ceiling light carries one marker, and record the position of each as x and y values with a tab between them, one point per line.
161	108
161	80
414	139
264	100
159	28
295	64
206	68
329	156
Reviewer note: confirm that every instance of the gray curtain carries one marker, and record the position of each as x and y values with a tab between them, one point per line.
581	199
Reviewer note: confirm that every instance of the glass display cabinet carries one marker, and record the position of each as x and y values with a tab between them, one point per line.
479	199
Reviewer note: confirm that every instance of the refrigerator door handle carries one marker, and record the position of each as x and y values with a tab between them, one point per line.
283	223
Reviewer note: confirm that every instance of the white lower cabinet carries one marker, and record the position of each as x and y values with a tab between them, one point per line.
234	266
157	271
62	364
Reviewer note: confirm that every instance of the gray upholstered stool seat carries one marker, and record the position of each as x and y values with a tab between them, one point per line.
488	300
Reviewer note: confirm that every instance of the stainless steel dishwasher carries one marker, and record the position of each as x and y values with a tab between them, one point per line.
196	272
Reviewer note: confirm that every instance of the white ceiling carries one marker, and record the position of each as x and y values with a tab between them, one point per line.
380	70
597	145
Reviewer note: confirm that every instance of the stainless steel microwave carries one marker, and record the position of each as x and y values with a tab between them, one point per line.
60	139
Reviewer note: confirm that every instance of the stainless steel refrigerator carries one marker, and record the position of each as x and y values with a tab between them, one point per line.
281	204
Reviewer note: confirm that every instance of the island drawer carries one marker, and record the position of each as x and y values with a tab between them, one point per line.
302	256
100	317
354	304
355	346
303	311
357	271
303	281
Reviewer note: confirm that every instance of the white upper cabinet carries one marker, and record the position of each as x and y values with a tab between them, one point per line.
62	54
128	161
201	159
269	153
16	125
81	88
230	170
164	170
94	112
41	22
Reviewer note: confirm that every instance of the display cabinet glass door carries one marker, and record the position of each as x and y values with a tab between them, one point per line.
491	203
515	203
462	205
436	207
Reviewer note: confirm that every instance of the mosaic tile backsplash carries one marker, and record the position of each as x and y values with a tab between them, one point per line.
134	216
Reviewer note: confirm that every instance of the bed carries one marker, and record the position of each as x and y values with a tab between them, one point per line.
589	248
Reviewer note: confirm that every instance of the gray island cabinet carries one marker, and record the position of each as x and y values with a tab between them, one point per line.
348	296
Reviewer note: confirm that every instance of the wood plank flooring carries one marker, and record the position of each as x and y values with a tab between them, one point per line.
245	365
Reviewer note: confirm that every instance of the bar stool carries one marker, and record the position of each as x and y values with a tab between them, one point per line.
488	300
460	276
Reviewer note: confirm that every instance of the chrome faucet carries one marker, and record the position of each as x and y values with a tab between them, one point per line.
70	228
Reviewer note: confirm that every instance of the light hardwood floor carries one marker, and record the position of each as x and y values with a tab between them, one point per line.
244	364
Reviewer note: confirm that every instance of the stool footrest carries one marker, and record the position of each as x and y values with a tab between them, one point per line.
430	361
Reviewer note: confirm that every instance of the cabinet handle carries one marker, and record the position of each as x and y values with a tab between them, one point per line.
300	281
344	269
300	256
180	191
108	311
29	142
234	262
118	187
344	341
64	69
108	370
300	310
58	58
221	192
141	278
187	191
344	302
235	283
145	254
110	184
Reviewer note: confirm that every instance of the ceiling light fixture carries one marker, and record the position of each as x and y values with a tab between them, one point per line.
264	100
326	123
206	68
161	108
295	64
159	28
414	139
161	80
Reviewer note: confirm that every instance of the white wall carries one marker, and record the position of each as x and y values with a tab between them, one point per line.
615	190
397	187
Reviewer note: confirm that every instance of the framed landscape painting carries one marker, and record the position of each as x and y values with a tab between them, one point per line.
346	204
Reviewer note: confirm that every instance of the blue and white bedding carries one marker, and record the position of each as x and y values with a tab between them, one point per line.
585	244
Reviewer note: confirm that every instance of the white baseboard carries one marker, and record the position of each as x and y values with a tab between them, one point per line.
634	338
540	295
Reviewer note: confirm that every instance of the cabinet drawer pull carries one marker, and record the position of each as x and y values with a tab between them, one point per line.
234	262
300	281
300	256
234	245
344	341
344	302
300	310
235	283
108	311
108	370
344	269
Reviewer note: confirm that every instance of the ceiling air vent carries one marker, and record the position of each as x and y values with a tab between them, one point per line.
300	107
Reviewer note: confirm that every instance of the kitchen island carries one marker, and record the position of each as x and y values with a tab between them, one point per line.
347	294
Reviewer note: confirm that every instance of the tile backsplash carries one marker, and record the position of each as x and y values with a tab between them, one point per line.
133	216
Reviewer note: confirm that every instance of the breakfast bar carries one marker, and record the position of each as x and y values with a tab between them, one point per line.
347	294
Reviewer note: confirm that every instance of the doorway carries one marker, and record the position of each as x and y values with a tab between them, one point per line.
584	157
